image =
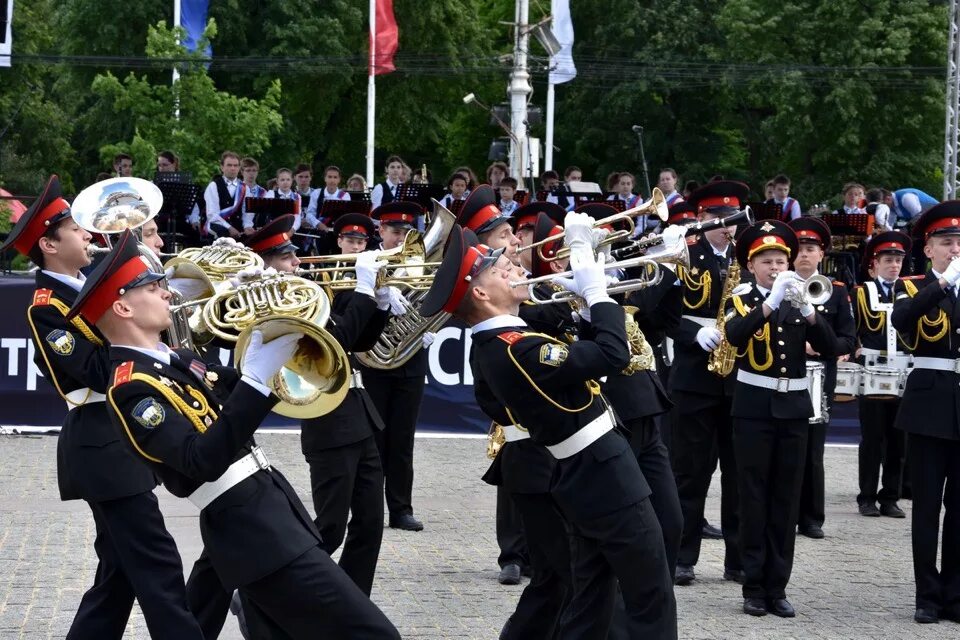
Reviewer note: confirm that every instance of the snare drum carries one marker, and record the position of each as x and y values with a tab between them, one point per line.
849	376
815	377
883	382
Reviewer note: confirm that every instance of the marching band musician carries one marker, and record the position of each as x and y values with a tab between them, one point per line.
272	243
881	443
928	318
524	221
397	393
771	408
258	536
701	397
813	236
137	557
224	198
550	388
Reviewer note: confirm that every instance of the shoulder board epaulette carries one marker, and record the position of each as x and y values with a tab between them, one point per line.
919	277
837	283
511	337
123	373
41	297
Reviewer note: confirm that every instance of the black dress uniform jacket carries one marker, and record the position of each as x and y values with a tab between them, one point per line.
788	333
839	315
173	420
94	461
877	339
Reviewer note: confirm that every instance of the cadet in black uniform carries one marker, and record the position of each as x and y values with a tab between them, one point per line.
813	236
550	388
703	398
881	443
345	474
771	409
137	557
398	392
258	536
929	318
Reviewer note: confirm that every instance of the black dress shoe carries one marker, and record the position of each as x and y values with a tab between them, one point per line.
754	607
509	574
811	531
405	521
926	616
781	607
891	510
870	510
734	575
710	532
684	575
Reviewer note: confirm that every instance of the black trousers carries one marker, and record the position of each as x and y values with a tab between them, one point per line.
208	599
624	547
770	462
347	482
398	402
543	600
312	598
699	436
510	535
881	444
138	559
654	461
813	492
935	479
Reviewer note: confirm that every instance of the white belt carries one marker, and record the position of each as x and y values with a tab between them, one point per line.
703	322
512	433
234	475
937	364
781	385
897	361
80	397
356	379
583	438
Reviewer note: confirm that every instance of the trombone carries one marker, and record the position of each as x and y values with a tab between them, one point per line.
657	205
640	245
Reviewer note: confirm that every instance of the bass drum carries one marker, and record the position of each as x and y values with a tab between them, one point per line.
849	377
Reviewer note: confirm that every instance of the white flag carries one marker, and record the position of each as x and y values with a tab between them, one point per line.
6	34
562	68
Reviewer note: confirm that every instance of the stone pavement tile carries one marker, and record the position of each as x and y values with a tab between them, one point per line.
442	582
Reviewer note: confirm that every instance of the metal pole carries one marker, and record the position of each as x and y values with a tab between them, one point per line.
371	93
548	152
951	136
176	72
518	90
643	159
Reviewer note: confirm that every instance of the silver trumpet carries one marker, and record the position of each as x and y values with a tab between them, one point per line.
814	290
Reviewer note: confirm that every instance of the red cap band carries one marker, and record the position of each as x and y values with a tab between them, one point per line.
39	225
719	201
942	223
270	242
109	290
679	217
482	216
396	216
764	243
526	221
809	234
353	228
888	246
472	260
549	250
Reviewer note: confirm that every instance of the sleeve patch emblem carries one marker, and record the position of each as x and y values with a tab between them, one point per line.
553	354
62	342
148	413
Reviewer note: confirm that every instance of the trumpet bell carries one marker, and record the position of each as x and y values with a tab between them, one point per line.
818	289
115	205
316	379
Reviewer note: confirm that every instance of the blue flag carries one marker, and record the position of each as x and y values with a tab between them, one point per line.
193	18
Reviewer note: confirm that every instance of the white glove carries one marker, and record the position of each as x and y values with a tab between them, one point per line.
189	288
807	310
168	272
368	266
578	231
709	338
589	281
262	361
673	234
391	298
780	285
244	275
226	242
952	273
428	338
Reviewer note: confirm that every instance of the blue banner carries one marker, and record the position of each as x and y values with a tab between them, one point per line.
193	18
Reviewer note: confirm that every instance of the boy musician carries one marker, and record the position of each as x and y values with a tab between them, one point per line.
224	197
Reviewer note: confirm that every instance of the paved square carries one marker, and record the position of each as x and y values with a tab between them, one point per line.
441	583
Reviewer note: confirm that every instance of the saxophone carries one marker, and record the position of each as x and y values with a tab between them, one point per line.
723	358
495	440
641	353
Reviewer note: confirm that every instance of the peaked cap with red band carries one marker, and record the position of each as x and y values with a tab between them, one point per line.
480	212
811	230
601	210
121	270
940	219
721	197
895	242
399	213
764	236
526	216
274	237
682	213
47	210
464	259
545	228
356	225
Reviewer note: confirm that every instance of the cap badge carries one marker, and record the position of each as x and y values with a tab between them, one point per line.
767	227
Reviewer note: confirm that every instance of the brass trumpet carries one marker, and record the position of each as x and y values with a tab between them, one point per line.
657	204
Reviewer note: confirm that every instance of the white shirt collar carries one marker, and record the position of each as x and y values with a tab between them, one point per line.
331	193
498	322
763	290
74	283
161	353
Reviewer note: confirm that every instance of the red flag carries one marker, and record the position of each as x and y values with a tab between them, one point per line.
385	43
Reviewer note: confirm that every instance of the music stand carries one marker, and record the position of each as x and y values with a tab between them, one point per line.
359	196
266	209
180	195
340	207
422	194
764	211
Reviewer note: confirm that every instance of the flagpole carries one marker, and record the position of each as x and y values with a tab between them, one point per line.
548	157
371	92
176	71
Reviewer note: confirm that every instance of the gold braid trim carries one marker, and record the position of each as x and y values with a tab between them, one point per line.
593	387
762	337
702	285
194	415
866	314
